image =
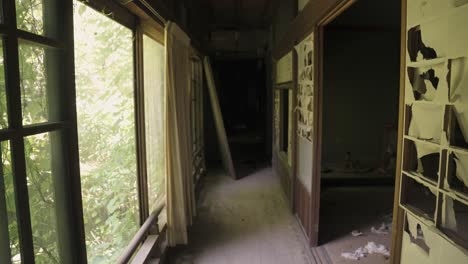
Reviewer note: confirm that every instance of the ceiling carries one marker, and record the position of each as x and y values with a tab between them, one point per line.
240	14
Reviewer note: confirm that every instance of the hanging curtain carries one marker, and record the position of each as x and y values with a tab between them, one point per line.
179	185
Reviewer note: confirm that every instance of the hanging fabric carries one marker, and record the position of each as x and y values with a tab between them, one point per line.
179	184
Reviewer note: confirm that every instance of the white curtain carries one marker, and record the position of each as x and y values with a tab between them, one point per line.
179	185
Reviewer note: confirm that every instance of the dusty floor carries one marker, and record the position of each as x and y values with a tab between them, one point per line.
244	221
344	209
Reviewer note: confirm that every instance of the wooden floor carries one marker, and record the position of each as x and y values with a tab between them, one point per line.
244	221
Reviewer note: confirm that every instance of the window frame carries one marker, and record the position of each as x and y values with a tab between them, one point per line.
67	187
154	31
67	206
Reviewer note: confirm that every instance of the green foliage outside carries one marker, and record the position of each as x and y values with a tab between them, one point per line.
106	124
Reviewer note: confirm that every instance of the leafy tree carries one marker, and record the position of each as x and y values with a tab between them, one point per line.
106	123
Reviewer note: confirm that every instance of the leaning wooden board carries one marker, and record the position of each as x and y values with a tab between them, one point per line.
218	118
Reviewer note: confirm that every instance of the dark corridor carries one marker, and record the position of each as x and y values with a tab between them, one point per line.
242	96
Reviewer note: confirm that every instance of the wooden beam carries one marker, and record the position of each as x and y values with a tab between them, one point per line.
218	117
398	213
363	28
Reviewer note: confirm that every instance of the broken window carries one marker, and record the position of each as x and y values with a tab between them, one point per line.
430	81
417	235
418	198
425	121
421	160
417	47
455	220
457	177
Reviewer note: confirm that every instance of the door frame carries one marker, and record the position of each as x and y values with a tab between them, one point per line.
398	213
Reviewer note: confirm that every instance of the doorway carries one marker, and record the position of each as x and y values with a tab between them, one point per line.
242	96
361	74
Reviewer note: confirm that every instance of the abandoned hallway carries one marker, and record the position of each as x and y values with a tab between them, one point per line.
244	221
233	131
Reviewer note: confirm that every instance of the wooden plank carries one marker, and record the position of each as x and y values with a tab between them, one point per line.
145	250
140	125
219	123
398	213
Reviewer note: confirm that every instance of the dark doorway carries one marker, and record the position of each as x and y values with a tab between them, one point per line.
242	97
361	70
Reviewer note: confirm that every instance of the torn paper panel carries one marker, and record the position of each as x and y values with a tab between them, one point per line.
435	35
448	216
424	149
421	10
457	46
426	122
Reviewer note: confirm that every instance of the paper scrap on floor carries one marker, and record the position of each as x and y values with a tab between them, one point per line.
362	252
384	229
356	233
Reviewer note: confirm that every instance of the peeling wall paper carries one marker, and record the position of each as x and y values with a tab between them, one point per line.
305	89
284	69
461	161
276	117
426	121
440	250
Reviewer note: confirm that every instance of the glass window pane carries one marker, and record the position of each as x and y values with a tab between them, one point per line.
29	16
106	128
3	99
154	66
41	192
33	84
6	181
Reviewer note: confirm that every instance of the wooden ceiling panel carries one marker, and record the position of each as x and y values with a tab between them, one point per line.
239	14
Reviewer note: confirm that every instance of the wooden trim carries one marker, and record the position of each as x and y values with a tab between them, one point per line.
335	12
12	81
293	130
398	213
284	86
153	30
140	124
38	40
313	215
149	24
377	29
113	10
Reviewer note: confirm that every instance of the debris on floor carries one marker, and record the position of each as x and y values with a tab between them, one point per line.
384	229
362	252
356	233
356	255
